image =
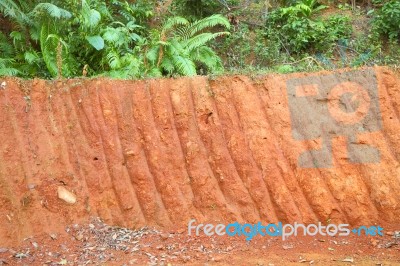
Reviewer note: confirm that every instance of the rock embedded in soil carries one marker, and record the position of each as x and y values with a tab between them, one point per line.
66	195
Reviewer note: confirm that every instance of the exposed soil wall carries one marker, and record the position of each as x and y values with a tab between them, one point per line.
160	152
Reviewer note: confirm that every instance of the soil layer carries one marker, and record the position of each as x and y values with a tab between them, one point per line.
162	152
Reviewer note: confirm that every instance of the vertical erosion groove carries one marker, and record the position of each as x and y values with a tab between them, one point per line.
162	152
238	147
219	158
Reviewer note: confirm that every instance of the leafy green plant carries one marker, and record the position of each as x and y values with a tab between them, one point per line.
237	47
180	47
303	8
386	21
93	34
196	9
297	32
30	40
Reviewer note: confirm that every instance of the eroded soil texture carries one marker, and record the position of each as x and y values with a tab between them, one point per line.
317	147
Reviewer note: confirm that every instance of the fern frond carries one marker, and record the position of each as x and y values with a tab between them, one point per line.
185	66
209	22
172	23
152	54
205	55
175	47
6	62
16	37
202	39
35	33
183	32
154	72
6	49
51	10
48	48
126	15
113	59
167	65
31	57
104	10
9	71
10	9
7	67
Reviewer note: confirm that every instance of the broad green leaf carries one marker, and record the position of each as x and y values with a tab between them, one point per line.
96	41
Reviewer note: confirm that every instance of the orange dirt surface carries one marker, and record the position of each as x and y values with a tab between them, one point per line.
96	243
161	152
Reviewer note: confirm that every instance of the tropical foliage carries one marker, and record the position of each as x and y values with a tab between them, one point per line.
153	38
387	20
297	31
181	47
108	38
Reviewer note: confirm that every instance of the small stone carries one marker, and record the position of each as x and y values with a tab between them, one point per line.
229	248
79	237
66	195
130	152
217	258
3	250
164	236
287	246
349	259
53	236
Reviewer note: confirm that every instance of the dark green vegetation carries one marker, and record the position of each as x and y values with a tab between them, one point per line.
144	38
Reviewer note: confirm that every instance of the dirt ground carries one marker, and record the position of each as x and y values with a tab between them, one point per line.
96	243
159	153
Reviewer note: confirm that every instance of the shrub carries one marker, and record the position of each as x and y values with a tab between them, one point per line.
386	21
297	32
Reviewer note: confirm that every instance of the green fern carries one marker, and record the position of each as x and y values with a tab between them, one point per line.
48	48
113	59
6	67
201	39
184	65
182	46
51	10
209	22
13	10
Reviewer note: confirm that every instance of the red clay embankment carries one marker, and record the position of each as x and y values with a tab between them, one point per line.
160	152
